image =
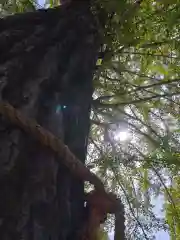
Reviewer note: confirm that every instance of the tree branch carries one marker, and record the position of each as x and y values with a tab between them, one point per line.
113	105
149	54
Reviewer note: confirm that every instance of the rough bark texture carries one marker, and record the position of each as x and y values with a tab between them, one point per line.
47	60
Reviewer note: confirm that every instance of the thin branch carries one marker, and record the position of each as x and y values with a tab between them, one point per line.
137	130
150	54
162	182
162	120
129	204
124	191
138	88
140	100
134	73
98	148
170	198
164	82
99	123
159	11
147	45
104	98
139	120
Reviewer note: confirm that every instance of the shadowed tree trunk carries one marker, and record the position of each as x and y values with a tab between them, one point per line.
47	60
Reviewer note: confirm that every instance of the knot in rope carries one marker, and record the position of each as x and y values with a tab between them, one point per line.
103	201
99	204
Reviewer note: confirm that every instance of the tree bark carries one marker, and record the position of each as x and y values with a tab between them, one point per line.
47	59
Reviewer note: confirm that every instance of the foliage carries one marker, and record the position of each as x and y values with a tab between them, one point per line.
9	7
173	209
102	235
137	91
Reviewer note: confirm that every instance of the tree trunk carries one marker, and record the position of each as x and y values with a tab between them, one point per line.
47	60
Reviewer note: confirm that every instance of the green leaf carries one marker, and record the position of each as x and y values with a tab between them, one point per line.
146	184
102	235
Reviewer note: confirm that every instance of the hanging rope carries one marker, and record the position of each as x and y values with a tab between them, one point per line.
98	201
47	139
99	205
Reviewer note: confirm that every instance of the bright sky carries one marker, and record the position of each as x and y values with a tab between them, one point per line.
161	235
158	202
41	2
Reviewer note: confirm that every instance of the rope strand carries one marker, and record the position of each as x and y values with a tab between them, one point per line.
47	139
100	202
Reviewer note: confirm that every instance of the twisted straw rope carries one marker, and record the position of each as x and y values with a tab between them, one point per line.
47	139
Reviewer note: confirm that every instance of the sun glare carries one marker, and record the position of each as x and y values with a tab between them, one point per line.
121	136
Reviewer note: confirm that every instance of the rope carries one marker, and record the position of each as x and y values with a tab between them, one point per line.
99	205
47	139
99	202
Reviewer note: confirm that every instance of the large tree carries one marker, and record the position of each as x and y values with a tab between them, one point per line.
136	94
47	59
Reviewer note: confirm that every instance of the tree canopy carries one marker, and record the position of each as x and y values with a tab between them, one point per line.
135	131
